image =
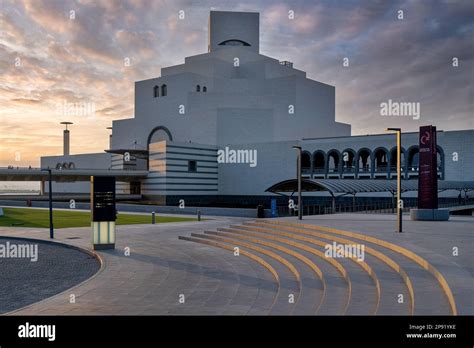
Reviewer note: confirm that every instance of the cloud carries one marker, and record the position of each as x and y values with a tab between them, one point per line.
50	14
82	60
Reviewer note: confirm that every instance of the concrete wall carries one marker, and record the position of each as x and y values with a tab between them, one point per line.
257	92
450	141
275	162
237	125
458	144
233	25
245	107
170	175
117	163
82	161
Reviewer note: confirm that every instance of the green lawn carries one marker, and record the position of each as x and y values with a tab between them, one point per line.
24	217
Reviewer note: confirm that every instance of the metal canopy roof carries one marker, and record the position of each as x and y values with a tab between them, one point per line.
351	186
69	175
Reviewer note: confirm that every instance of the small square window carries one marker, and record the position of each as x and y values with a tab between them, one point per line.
192	166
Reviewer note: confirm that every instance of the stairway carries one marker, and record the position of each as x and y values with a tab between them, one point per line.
390	280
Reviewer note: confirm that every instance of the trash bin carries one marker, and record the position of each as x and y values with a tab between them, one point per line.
260	211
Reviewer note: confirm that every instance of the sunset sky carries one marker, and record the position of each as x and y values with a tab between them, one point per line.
48	59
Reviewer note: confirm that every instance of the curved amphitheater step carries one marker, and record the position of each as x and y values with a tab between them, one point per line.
365	285
289	277
431	293
387	284
337	283
309	300
390	280
348	282
247	289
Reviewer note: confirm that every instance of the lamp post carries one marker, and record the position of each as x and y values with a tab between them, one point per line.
66	141
50	189
398	132
298	171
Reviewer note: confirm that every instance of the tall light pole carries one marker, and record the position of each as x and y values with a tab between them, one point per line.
50	189
398	131
298	171
66	141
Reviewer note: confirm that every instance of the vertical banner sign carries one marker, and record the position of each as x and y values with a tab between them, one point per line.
103	212
274	207
427	172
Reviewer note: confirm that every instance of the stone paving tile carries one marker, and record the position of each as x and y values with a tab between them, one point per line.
149	281
214	281
432	240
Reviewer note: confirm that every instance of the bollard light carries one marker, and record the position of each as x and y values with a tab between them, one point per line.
50	195
398	132
103	212
298	173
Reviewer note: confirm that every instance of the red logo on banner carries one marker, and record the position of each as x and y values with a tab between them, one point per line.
427	171
425	138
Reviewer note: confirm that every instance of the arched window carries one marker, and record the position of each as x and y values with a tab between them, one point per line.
156	92
333	161
198	88
164	90
440	161
380	160
348	160
204	89
158	134
318	162
364	161
234	42
305	162
393	160
413	155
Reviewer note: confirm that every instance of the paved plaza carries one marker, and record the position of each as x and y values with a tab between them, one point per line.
279	269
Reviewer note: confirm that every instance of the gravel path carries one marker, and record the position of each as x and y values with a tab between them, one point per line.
58	268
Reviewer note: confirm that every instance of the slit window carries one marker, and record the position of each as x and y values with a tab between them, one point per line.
192	166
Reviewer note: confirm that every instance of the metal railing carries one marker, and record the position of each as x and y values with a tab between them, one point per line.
369	207
381	169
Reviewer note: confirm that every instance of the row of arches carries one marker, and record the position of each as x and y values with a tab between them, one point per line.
65	165
157	89
365	162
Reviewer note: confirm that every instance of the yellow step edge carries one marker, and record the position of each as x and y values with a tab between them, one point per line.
311	250
269	253
248	254
285	250
407	253
318	242
365	267
384	258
